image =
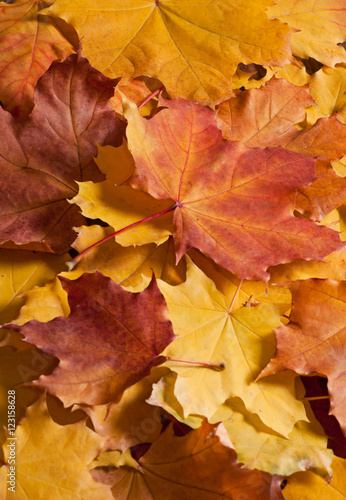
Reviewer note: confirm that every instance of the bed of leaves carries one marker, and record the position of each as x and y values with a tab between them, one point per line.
197	349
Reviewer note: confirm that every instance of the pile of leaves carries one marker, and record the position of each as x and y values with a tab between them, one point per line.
187	162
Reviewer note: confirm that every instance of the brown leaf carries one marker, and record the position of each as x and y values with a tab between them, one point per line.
325	194
231	202
29	43
313	340
264	117
195	467
111	339
42	156
326	140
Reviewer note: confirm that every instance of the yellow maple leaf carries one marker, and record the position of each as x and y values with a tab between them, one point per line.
209	330
121	206
43	303
320	24
309	486
328	88
131	267
46	462
19	272
193	48
257	446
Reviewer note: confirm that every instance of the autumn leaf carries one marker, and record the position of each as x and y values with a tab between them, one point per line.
120	206
131	267
41	470
259	447
325	194
132	420
29	43
43	303
196	47
265	117
326	140
43	155
103	346
21	271
210	330
309	486
230	201
333	267
311	341
196	466
321	28
327	87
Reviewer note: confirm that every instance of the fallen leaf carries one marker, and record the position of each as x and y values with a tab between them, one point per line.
132	420
43	155
163	395
333	267
328	88
131	267
309	486
241	293
104	346
43	303
121	206
52	469
21	271
196	466
326	140
312	341
325	194
231	202
118	41
258	447
210	331
116	163
265	117
29	43
294	73
320	28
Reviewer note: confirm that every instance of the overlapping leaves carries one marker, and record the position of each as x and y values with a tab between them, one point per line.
252	191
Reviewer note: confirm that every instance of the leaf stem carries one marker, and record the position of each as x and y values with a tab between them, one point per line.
316	398
221	366
151	96
78	257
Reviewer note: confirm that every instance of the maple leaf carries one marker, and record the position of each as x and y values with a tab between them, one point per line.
111	339
43	303
266	117
131	267
196	466
132	420
259	447
321	28
231	202
187	39
29	43
328	87
209	329
21	271
311	341
325	194
310	486
41	471
43	155
120	206
326	140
